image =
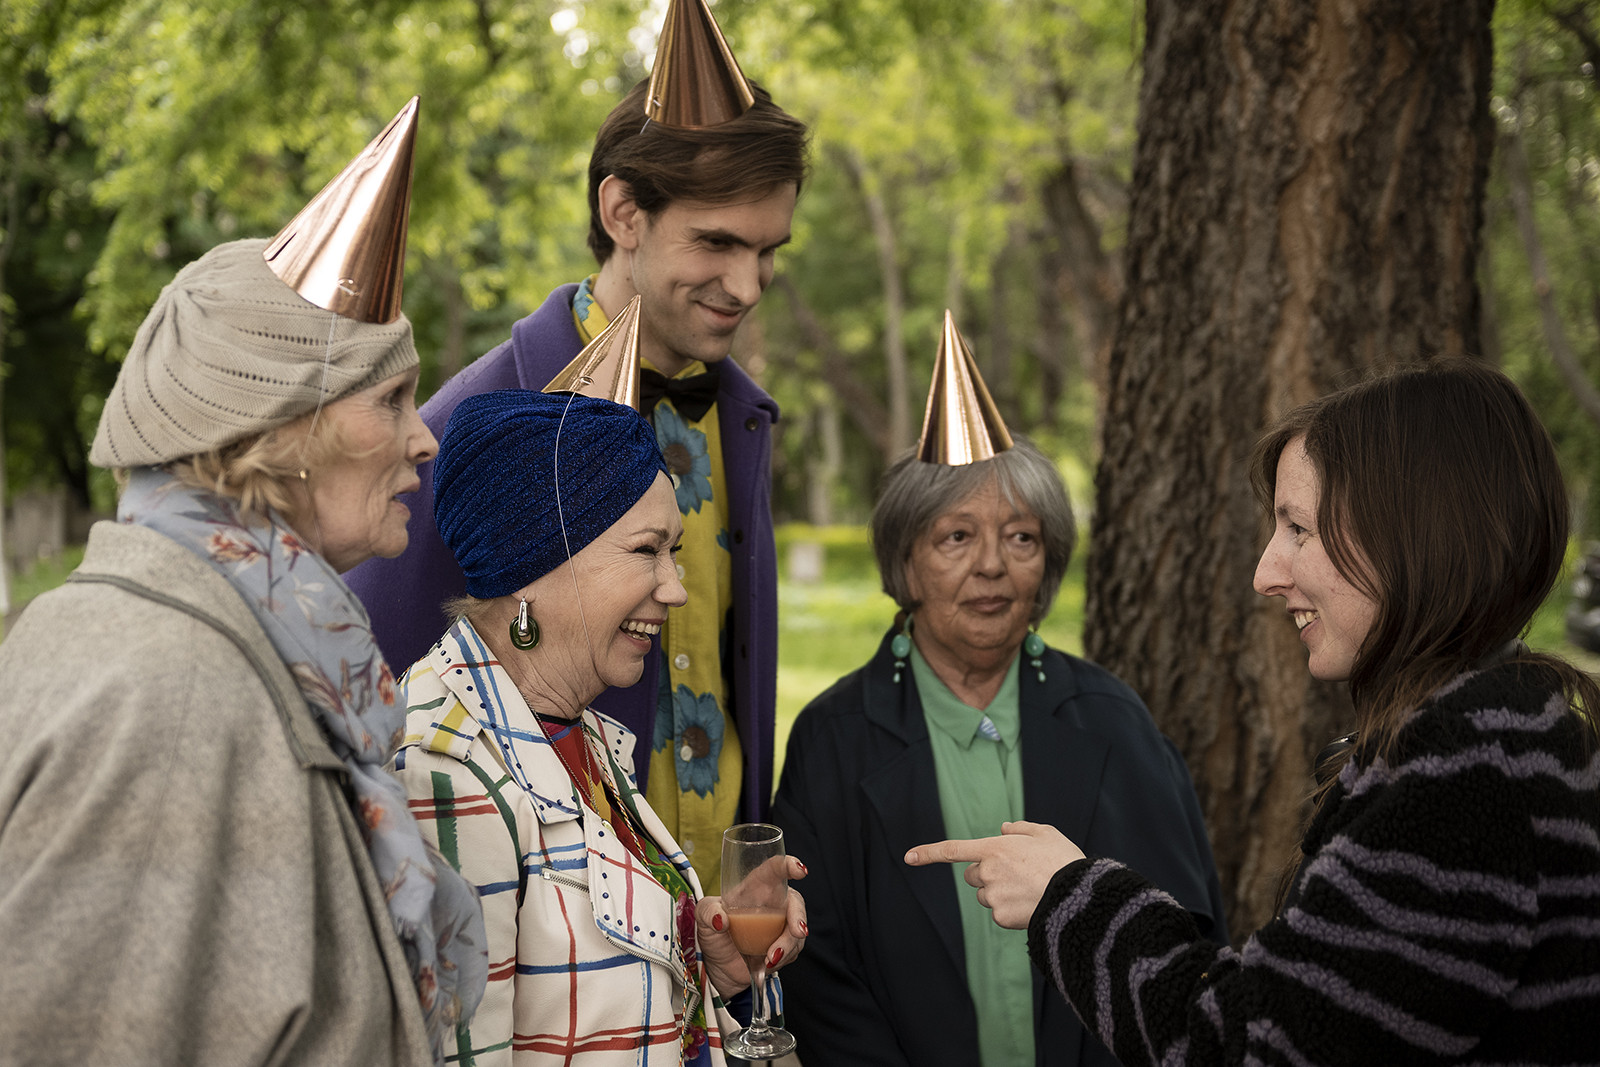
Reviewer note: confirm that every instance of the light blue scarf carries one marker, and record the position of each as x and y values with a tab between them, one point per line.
323	635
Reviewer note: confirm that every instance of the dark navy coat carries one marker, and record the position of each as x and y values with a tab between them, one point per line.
882	980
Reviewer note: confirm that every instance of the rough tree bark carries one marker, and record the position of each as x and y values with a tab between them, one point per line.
1306	203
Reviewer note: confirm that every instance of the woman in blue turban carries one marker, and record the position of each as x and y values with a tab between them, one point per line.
560	513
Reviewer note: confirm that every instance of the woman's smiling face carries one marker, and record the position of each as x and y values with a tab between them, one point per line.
1333	614
597	634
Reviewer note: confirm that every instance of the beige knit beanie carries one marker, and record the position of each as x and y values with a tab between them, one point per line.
229	351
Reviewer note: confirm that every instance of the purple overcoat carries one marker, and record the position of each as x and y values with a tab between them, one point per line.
404	595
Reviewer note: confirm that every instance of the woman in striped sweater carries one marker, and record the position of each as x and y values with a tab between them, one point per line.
1446	904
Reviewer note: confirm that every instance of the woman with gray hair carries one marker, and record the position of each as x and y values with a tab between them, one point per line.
964	720
203	858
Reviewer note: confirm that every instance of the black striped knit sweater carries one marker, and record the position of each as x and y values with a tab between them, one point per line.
1447	911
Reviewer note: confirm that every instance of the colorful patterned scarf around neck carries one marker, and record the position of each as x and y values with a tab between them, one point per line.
323	635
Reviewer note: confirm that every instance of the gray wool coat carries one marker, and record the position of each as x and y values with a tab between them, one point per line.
182	879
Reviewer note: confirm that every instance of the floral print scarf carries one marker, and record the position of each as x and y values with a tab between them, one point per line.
323	635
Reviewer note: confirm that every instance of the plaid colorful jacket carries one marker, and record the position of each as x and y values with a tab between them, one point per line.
586	960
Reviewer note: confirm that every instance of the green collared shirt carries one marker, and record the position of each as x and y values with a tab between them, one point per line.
980	786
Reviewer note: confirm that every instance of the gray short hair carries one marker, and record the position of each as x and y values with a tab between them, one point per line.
914	494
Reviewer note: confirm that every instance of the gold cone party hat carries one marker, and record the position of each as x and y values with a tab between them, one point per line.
961	425
346	250
695	82
608	366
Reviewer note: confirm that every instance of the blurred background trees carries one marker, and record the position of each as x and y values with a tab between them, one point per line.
1304	200
968	155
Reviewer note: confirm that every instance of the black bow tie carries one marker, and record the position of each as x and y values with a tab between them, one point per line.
692	397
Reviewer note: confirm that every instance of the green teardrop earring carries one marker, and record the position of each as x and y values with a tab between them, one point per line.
1033	648
524	628
901	647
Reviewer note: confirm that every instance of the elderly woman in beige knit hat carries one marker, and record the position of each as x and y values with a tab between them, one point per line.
202	856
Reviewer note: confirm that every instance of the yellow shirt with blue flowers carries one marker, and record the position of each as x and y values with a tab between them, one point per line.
696	760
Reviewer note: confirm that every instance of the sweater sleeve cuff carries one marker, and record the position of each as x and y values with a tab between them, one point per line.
1061	886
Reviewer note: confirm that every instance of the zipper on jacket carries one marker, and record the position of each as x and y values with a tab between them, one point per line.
667	957
562	878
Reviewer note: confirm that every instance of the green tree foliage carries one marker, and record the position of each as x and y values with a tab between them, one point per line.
970	154
938	125
944	127
189	122
51	234
1544	205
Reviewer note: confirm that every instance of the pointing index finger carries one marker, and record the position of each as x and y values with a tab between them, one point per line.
950	851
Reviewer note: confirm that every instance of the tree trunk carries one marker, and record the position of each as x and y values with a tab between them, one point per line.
1492	348
452	354
823	464
998	371
1051	346
1089	282
860	398
1306	203
894	345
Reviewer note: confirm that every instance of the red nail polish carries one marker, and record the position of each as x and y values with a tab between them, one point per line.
716	922
777	955
805	928
802	866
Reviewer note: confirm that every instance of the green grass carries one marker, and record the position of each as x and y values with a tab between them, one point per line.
42	577
1548	630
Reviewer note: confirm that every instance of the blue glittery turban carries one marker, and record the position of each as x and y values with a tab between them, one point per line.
494	481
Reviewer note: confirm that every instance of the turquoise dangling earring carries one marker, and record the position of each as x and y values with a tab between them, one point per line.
901	647
524	630
1033	648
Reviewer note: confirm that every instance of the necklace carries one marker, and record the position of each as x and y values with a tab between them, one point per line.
603	796
584	776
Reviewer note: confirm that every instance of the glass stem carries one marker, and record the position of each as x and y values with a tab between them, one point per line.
758	990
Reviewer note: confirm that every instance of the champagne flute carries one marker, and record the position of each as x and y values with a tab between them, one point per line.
755	894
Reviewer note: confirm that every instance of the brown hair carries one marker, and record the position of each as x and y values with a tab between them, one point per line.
1440	477
745	158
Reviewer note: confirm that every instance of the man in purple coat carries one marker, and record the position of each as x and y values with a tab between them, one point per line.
690	220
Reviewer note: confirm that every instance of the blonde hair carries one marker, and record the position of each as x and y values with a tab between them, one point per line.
264	472
466	607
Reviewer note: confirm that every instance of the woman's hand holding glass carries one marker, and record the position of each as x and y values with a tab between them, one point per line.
724	961
757	925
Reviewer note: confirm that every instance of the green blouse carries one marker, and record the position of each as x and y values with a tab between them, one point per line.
978	762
